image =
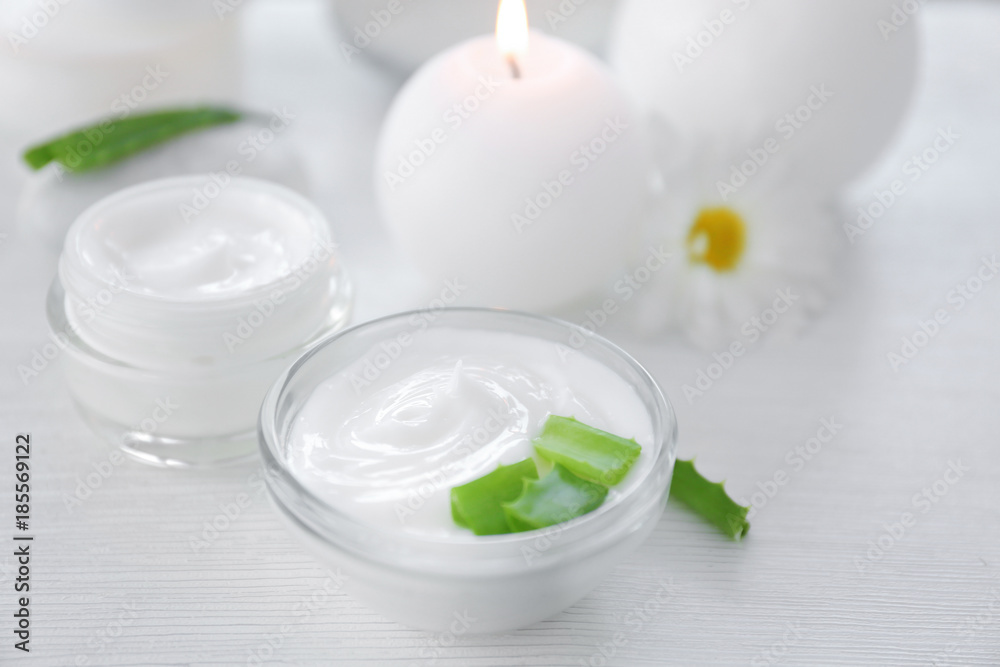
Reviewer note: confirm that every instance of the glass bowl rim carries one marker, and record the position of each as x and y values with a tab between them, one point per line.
277	473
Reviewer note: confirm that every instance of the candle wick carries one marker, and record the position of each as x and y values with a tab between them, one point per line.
514	69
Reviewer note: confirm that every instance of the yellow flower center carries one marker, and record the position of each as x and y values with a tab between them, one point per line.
717	238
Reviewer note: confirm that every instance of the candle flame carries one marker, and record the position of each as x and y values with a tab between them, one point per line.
512	29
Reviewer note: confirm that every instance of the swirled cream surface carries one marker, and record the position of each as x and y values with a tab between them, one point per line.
386	438
240	243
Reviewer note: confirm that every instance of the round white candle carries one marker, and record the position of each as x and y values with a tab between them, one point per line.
404	34
527	189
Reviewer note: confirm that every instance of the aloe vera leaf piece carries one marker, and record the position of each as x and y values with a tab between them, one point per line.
588	452
553	499
477	504
110	141
93	136
83	141
137	142
709	500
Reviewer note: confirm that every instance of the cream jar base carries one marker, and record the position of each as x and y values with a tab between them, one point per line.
175	420
168	452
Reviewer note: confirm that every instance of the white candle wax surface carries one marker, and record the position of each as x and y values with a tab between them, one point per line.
403	35
529	189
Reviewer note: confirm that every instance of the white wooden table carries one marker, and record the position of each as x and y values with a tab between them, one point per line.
120	578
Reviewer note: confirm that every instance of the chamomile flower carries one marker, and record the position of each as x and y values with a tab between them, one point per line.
764	254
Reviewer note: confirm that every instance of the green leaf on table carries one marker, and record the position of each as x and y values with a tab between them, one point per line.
555	498
477	505
709	499
588	452
112	140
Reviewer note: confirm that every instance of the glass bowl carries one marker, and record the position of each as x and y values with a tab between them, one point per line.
465	584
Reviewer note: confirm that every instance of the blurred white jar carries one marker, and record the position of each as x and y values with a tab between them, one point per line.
403	34
69	62
823	80
180	300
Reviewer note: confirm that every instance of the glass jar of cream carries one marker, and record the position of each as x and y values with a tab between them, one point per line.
180	300
366	434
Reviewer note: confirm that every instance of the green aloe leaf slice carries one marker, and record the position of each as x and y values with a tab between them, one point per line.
87	139
588	452
709	500
477	505
555	498
109	141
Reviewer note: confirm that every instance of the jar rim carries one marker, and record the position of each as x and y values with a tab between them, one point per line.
73	271
345	531
59	323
